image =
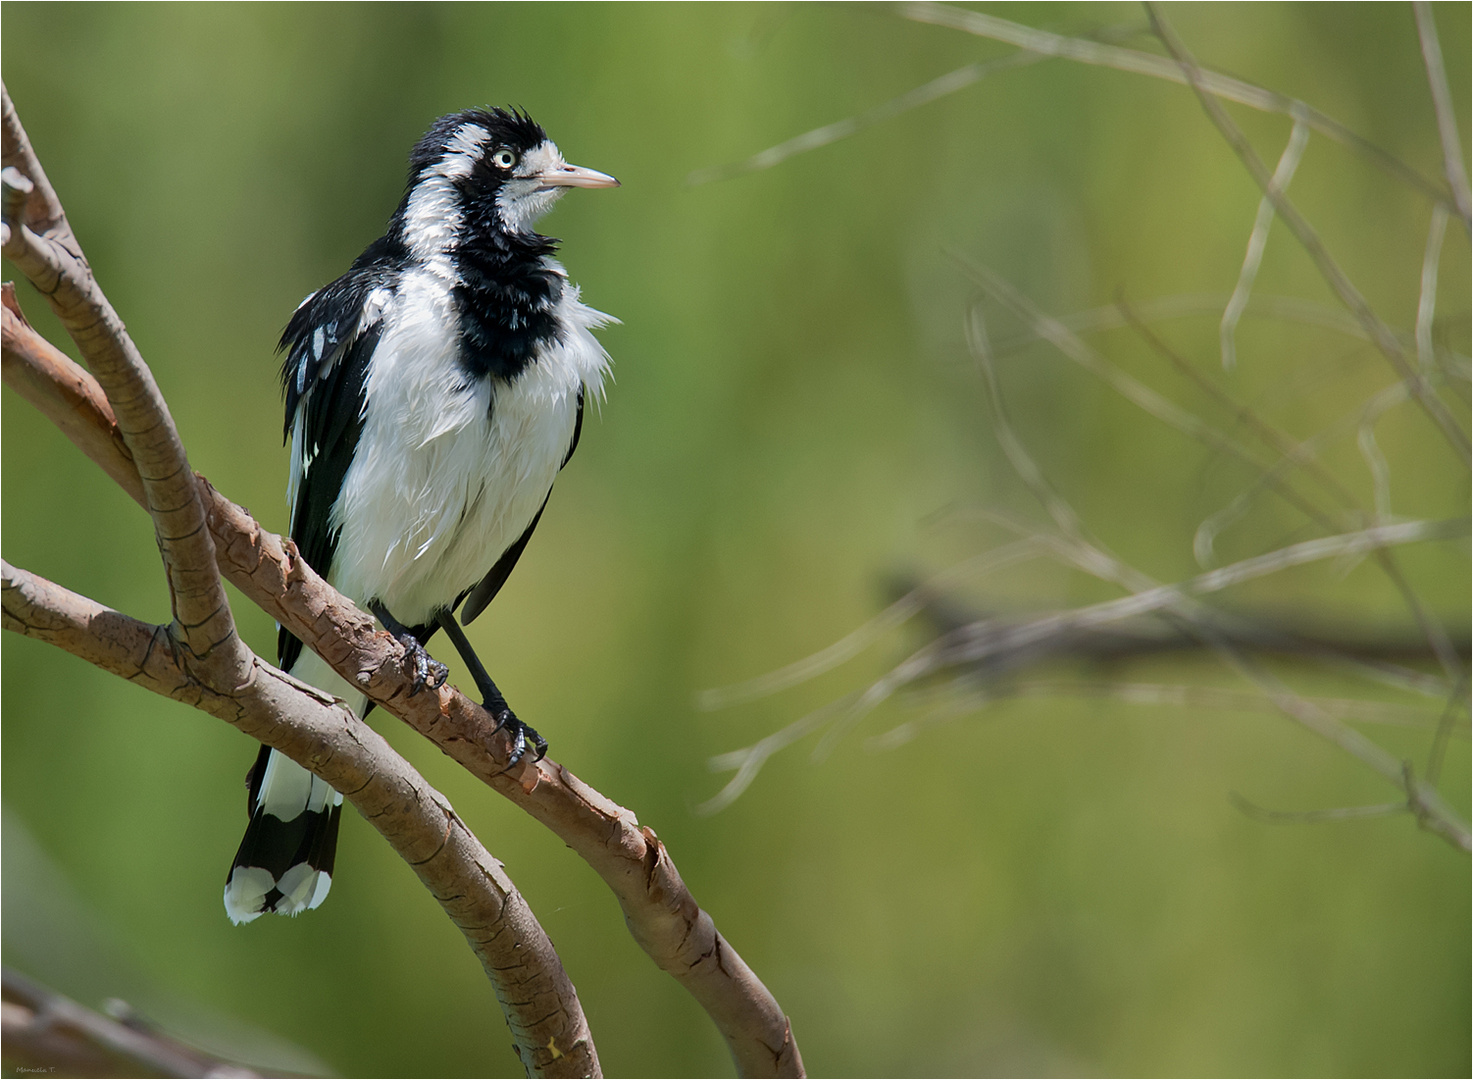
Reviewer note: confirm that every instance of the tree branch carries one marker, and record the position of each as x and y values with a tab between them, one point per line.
323	734
43	210
200	659
65	394
662	915
53	261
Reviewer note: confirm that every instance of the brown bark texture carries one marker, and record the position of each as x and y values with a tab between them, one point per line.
662	915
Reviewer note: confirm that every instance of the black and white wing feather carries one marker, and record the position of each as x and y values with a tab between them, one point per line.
328	344
285	860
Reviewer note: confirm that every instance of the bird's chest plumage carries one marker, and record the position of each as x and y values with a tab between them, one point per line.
453	464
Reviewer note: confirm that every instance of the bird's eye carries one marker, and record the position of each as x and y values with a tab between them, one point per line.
503	159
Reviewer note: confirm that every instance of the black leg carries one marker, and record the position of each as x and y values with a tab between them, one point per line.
427	670
491	697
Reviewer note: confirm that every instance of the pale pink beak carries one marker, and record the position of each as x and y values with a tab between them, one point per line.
575	176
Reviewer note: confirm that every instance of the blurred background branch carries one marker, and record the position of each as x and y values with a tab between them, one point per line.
47	1032
977	652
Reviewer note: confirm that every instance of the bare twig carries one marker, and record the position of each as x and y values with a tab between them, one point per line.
1427	296
1431	812
1415	803
1312	817
949	83
1433	630
857	640
1077	350
748	761
1457	702
1442	103
1257	241
1086	51
1294	454
1309	239
968	692
1186	305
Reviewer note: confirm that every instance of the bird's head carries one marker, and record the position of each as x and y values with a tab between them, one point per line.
490	168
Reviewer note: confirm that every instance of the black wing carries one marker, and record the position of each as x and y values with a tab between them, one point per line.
328	342
486	589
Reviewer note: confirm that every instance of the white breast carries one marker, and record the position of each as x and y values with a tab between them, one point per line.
450	471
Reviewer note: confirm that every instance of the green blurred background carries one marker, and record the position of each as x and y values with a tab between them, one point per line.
1041	887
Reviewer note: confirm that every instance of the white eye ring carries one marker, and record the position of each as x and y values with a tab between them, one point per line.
503	159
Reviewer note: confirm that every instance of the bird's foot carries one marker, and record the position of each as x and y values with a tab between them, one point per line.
429	673
521	734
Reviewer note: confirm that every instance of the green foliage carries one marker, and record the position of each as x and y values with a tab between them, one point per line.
1039	887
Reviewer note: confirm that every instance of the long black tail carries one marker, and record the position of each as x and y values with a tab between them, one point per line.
284	864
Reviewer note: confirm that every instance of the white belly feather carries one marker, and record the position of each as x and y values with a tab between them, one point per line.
449	470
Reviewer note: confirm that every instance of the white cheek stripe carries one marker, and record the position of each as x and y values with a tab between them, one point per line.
431	222
461	152
433	216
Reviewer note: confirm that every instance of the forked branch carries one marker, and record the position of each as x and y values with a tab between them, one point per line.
662	915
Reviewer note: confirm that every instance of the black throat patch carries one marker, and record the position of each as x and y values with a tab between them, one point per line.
507	299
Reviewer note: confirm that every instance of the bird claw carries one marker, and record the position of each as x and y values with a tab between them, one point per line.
521	735
429	673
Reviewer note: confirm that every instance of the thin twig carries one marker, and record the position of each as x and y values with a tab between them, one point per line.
1313	817
859	639
1288	308
1442	104
1305	450
949	83
1086	51
1309	239
1131	389
1257	241
1380	470
1431	811
1427	295
1457	702
1431	628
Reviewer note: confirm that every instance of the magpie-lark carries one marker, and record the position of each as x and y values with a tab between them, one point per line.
433	392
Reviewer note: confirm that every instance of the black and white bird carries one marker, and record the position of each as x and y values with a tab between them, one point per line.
433	392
